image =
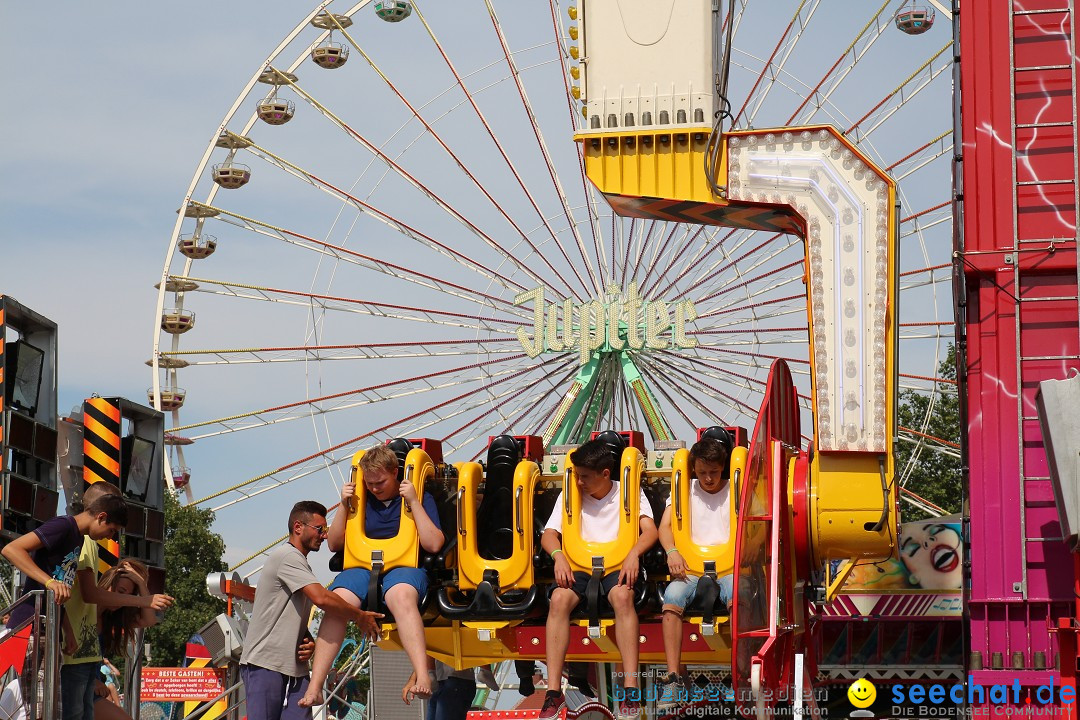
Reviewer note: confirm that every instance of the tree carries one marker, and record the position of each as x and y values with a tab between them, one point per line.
192	551
935	474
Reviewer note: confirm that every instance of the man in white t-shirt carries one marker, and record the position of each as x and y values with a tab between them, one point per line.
710	524
594	467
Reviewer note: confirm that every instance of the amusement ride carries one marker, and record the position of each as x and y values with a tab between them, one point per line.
487	231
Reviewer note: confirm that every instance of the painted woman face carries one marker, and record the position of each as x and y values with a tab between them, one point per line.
931	553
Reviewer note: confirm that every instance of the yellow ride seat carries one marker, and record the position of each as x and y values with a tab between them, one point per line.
718	559
515	572
579	552
402	550
694	554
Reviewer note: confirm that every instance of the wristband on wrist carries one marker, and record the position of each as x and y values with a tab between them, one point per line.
672	550
555	552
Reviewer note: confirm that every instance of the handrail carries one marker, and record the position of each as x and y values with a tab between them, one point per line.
18	601
676	494
566	490
51	667
51	696
133	656
461	511
209	704
518	511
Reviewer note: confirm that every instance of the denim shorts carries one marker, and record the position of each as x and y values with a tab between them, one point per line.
681	592
355	580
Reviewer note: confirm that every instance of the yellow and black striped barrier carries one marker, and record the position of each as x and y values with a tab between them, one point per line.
101	459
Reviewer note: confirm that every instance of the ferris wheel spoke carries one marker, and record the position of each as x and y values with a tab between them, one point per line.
536	426
725	262
538	134
281	476
675	365
564	201
936	276
797	19
685	245
755	357
755	289
304	466
639	254
404	387
760	311
922	504
634	245
919	229
412	180
470	398
745	380
487	421
917	224
815	92
927	330
592	202
351	305
363	351
464	167
343	254
384	218
659	250
922	156
931	269
738	307
483	400
752	336
949	385
778	69
646	372
880	112
662	372
942	443
749	282
457	159
626	242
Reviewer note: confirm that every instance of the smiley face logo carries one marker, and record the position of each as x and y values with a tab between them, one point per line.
862	693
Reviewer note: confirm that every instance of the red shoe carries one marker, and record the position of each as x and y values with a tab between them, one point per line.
554	702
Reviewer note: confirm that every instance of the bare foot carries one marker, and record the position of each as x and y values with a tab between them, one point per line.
421	689
313	698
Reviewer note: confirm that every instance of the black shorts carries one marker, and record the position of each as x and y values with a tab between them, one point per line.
581	581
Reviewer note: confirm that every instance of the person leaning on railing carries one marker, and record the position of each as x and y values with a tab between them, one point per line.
49	556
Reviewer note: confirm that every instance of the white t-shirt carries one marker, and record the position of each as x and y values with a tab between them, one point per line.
599	518
710	515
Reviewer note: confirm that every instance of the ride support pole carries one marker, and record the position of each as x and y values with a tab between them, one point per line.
51	709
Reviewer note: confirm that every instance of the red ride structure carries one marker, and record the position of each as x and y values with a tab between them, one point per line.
1018	323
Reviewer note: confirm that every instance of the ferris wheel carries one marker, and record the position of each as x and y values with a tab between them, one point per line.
391	233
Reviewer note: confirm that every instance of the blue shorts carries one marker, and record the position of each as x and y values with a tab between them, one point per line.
355	580
680	592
